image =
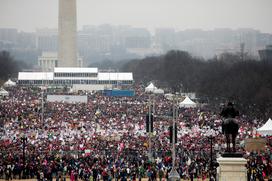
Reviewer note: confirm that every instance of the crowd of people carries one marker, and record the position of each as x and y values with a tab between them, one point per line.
106	138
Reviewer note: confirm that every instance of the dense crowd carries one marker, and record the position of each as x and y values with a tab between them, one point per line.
106	139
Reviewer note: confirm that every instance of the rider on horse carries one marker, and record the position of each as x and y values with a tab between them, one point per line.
229	126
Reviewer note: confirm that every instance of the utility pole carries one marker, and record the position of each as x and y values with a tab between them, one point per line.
149	126
174	138
24	139
149	132
174	175
211	163
78	151
42	118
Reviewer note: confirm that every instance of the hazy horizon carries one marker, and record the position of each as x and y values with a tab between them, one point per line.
150	14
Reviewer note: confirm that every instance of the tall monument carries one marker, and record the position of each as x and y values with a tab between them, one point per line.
67	48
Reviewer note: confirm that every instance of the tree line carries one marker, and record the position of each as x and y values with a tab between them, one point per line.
9	68
225	78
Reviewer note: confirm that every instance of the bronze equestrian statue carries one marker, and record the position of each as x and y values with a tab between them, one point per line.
230	126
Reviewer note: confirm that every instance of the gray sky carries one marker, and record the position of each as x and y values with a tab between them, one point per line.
27	15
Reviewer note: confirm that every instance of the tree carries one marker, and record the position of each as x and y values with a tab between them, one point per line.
228	78
9	67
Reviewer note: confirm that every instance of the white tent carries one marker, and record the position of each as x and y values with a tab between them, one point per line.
150	88
3	92
266	129
187	103
9	83
169	96
158	91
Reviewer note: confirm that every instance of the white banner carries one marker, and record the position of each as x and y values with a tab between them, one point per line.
67	98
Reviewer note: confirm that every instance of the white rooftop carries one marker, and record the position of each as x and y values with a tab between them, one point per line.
114	76
35	76
75	70
49	54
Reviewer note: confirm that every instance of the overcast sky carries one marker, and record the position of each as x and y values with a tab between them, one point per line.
27	15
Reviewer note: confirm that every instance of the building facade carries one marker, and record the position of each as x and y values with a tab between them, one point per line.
266	54
76	78
49	60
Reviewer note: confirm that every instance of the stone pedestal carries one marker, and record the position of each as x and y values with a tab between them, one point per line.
232	169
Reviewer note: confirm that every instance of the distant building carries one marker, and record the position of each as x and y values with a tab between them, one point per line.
266	54
137	42
76	78
26	41
49	60
12	39
47	39
143	52
8	35
165	38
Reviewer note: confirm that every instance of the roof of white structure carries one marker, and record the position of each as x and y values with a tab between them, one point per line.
75	70
35	76
114	76
49	54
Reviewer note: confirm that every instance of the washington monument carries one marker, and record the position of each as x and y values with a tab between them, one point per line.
67	48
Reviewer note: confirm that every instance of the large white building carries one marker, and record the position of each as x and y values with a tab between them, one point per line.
49	60
76	78
47	39
64	68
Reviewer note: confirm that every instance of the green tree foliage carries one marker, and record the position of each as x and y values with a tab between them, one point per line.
9	67
219	79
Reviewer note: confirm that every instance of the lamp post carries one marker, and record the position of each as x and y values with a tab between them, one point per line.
211	137
149	132
211	156
42	118
78	151
24	139
174	175
43	89
151	110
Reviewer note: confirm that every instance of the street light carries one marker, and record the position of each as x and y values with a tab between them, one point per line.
43	89
24	140
42	118
174	175
211	135
150	131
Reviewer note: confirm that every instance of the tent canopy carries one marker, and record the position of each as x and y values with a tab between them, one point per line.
158	91
187	103
150	88
153	89
266	129
169	96
9	83
3	92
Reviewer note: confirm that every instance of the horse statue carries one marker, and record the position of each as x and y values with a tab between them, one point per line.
230	126
230	129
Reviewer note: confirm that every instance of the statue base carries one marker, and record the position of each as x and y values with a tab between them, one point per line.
232	155
233	169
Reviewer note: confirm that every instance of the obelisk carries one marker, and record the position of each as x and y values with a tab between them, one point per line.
67	48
